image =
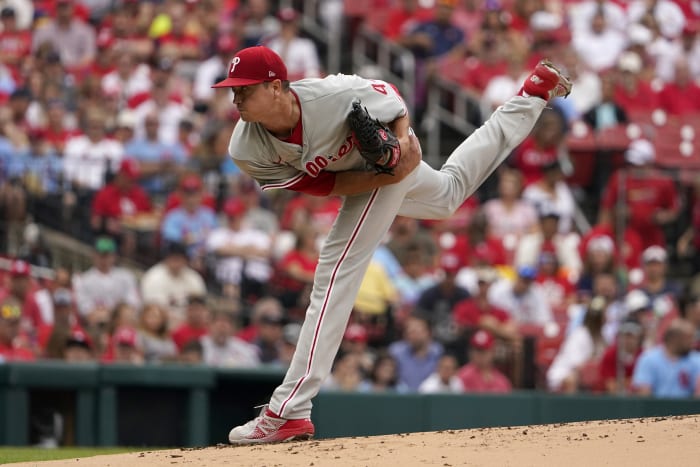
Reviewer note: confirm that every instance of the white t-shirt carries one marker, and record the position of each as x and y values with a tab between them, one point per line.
229	269
300	56
235	353
434	385
530	308
86	162
562	202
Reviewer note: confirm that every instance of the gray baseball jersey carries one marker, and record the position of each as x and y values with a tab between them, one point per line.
363	219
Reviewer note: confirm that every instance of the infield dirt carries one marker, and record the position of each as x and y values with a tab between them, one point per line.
660	441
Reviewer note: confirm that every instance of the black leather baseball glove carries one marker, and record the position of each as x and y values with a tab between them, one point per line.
377	143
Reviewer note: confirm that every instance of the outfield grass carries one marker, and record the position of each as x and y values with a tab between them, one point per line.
27	454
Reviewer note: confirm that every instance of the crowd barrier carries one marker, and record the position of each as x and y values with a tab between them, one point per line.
119	405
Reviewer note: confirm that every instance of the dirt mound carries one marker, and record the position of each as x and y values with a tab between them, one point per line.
671	441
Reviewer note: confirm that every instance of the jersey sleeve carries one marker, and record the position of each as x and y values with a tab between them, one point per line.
382	99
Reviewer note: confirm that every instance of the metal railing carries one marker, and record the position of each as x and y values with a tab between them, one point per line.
397	64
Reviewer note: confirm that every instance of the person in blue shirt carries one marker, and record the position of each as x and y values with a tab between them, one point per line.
671	369
42	168
191	222
159	163
417	354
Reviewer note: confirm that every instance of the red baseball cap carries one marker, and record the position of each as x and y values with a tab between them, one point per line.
125	335
252	66
234	207
129	168
191	182
355	333
482	340
20	268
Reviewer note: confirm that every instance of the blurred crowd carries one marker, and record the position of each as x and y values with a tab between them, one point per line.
110	133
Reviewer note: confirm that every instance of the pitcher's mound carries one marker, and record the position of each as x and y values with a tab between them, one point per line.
667	441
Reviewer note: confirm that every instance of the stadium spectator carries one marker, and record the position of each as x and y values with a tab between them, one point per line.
403	16
68	35
294	273
191	222
554	282
540	148
681	96
345	375
633	92
89	158
180	41
581	13
21	287
576	363
598	258
129	78
51	337
383	376
169	283
551	192
14	344
15	42
650	196
665	14
209	71
257	23
509	216
687	47
154	335
476	312
586	91
670	369
413	273
445	379
78	347
222	349
522	298
505	83
480	375
119	201
656	283
600	43
99	289
355	341
548	239
606	112
299	53
169	110
439	302
375	302
417	353
196	322
241	255
124	347
619	359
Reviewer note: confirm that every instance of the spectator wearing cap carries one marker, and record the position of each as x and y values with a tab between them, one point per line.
21	288
575	365
196	321
188	182
477	312
522	298
120	200
634	92
257	22
70	36
445	379
242	254
655	281
650	197
192	222
480	375
548	239
222	348
51	335
124	347
687	47
180	41
78	347
89	158
14	345
439	302
670	369
619	359
270	338
129	77
171	281
355	341
160	163
417	354
598	259
15	41
213	68
552	192
298	53
100	288
557	287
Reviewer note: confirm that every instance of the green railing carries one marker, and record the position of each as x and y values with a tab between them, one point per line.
110	405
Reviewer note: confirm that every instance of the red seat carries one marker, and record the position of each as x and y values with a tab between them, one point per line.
678	147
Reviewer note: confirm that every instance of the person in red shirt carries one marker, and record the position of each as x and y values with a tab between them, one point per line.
120	199
682	96
189	182
480	375
403	16
632	92
294	274
650	197
196	322
21	288
476	312
13	345
629	253
15	44
179	41
618	361
55	132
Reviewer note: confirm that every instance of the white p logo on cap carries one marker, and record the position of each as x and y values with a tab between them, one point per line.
234	62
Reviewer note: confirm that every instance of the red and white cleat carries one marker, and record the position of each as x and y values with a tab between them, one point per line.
269	428
547	82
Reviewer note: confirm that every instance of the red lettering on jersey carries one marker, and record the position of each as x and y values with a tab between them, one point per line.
380	88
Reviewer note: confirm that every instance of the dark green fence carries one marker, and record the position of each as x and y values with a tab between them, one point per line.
193	406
